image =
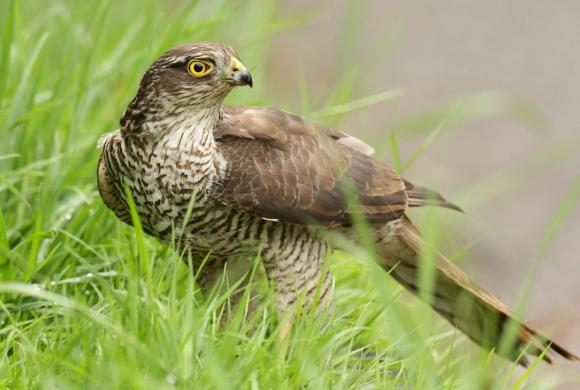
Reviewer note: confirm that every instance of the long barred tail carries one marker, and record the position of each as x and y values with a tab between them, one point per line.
475	312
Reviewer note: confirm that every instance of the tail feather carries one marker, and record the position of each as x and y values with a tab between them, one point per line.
478	314
418	196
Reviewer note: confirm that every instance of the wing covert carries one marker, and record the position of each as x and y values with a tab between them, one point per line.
281	166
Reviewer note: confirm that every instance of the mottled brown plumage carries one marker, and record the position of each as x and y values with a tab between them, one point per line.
260	179
293	170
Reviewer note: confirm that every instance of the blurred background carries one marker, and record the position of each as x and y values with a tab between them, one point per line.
478	100
510	161
503	81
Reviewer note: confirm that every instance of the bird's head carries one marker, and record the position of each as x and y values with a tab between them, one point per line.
190	77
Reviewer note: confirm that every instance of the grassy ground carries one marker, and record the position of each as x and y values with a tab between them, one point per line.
87	302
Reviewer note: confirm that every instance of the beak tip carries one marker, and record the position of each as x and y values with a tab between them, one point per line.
245	78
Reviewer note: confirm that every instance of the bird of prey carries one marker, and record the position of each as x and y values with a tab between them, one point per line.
227	182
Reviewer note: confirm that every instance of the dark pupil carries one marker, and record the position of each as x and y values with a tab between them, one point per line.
198	67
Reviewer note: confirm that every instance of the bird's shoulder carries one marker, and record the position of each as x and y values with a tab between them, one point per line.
107	189
107	139
278	128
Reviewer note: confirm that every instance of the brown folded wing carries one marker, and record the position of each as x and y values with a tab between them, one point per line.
281	166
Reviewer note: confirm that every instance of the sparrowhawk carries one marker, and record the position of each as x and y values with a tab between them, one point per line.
231	181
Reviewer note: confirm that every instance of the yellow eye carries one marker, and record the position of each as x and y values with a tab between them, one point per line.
199	68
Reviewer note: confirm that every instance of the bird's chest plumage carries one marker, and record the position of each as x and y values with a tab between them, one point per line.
169	179
175	172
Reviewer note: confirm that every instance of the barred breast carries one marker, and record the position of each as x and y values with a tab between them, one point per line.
164	182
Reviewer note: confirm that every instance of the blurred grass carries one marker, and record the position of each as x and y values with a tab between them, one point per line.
87	302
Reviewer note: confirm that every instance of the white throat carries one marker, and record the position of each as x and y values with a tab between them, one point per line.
187	144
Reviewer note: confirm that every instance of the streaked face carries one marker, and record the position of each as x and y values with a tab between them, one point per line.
198	75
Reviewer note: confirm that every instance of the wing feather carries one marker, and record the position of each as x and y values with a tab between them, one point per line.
281	166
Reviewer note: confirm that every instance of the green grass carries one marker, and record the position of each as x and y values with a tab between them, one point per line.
87	302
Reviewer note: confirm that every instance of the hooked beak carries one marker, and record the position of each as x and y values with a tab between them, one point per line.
237	74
